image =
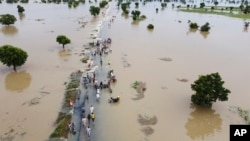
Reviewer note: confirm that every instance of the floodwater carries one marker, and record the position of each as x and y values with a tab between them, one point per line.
138	54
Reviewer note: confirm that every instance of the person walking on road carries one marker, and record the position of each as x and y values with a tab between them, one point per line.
92	115
91	109
88	131
84	121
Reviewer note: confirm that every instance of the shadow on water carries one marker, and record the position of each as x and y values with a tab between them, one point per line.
18	81
202	123
9	30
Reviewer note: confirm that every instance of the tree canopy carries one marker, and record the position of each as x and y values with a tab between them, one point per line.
94	10
62	39
209	88
12	56
20	9
7	19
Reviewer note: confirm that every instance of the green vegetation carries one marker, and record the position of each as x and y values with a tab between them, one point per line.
94	10
136	4
7	19
209	88
202	5
62	129
62	39
71	88
163	4
12	56
218	11
193	25
205	27
150	26
135	85
103	3
20	9
64	118
136	14
124	7
244	114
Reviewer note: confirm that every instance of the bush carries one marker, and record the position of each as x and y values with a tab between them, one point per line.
103	3
193	25
205	27
150	26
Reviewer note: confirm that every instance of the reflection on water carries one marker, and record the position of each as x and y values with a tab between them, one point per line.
9	30
21	16
64	54
202	123
17	81
204	34
191	30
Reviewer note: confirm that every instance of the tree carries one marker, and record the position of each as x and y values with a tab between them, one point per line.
103	3
209	88
94	10
62	39
150	26
7	19
12	56
202	5
205	27
20	9
193	25
216	3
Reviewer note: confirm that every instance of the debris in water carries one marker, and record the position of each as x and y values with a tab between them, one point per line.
166	59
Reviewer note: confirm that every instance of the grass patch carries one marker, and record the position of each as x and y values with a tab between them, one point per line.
135	85
62	129
236	13
244	114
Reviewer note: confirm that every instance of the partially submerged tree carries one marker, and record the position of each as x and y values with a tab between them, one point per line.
7	19
136	14
103	3
202	5
12	56
62	39
94	10
208	89
150	26
20	9
193	25
205	27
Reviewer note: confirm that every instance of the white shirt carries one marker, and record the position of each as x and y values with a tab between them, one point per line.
88	131
91	109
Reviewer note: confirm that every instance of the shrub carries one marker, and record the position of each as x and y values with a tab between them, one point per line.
150	26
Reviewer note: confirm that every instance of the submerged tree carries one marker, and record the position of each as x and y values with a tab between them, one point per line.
12	56
136	14
205	27
193	25
62	39
94	10
7	19
20	9
208	89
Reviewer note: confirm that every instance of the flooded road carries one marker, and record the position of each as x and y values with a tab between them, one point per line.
137	55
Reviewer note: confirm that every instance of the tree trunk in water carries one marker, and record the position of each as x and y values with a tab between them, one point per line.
14	67
63	46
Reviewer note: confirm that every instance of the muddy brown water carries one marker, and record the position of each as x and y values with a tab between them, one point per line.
224	49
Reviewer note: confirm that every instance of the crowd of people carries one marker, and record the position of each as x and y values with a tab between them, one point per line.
93	82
